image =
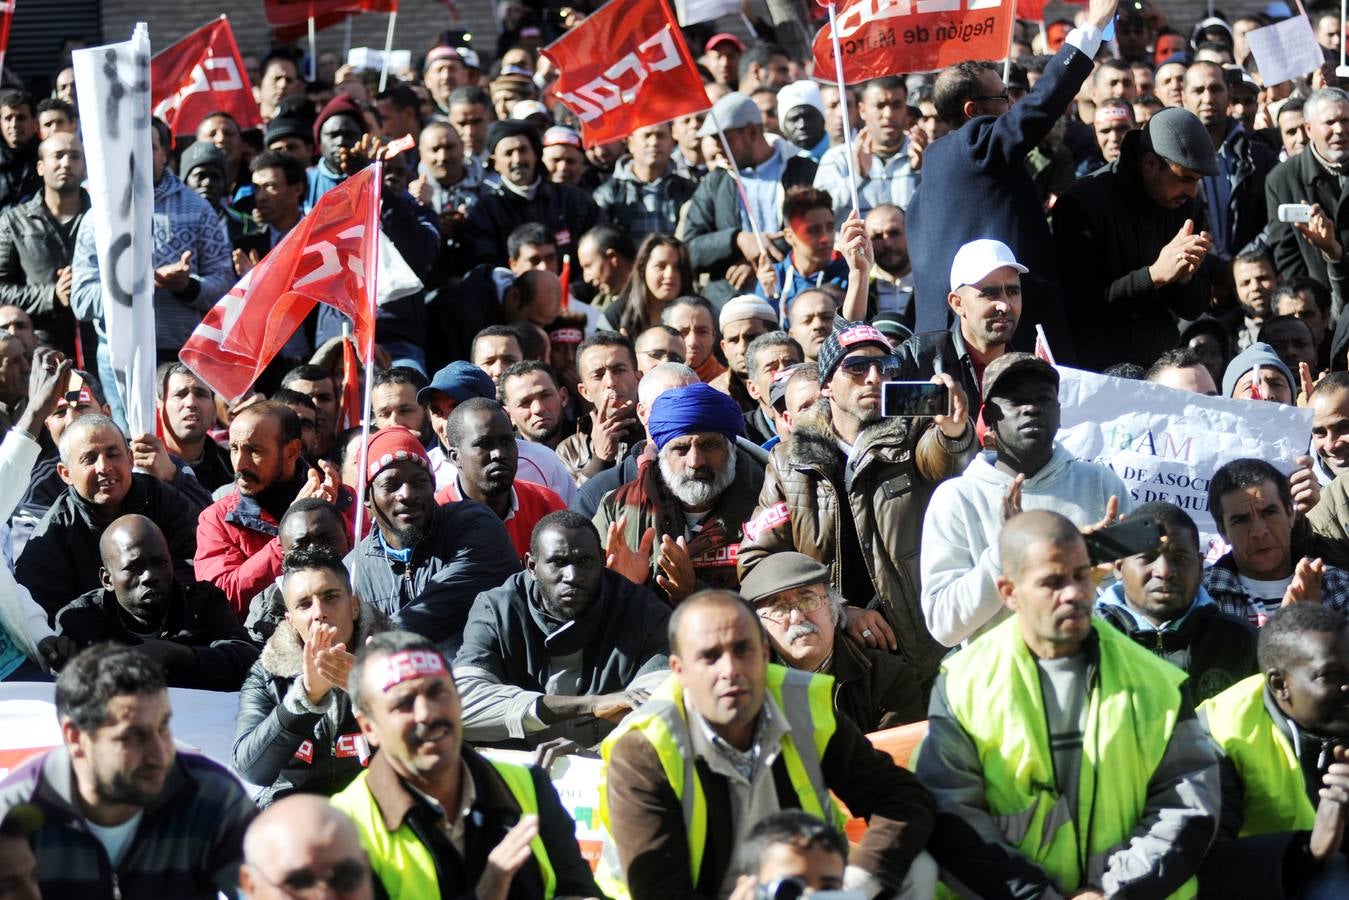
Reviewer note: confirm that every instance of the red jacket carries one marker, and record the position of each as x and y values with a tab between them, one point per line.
529	503
238	550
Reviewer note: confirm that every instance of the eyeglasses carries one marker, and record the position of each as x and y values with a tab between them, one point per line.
1004	97
860	366
348	875
781	610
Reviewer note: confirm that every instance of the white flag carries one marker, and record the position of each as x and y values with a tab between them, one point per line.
113	87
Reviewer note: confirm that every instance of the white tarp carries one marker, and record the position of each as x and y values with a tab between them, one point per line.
113	86
1165	444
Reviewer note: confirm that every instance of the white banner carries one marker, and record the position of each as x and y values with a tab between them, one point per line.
113	87
691	12
1285	50
1165	444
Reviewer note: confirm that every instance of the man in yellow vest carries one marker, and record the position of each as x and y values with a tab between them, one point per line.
729	739
1283	736
437	819
1066	760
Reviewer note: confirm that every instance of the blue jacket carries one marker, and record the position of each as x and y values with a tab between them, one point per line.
975	185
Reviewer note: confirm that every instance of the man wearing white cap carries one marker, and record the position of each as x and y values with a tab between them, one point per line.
889	152
985	299
717	229
801	117
741	320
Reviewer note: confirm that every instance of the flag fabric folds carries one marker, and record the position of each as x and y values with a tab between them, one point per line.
202	73
289	19
891	37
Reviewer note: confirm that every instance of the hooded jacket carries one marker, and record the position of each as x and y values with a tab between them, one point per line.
810	486
284	742
465	551
1108	231
644	208
196	616
1215	649
960	534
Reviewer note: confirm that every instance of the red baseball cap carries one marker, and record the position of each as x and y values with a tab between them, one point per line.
722	38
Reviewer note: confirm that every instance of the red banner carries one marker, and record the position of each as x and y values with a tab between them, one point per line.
6	18
289	19
329	257
200	74
893	37
626	67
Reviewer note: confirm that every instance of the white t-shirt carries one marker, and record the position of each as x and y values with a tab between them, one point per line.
116	838
1265	596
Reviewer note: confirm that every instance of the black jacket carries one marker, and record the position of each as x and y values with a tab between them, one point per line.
198	616
18	173
33	248
1246	218
1108	231
466	551
712	222
1302	179
280	741
975	185
873	688
61	560
567	212
930	352
1216	650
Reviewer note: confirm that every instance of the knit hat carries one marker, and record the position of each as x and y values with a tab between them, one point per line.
694	409
780	572
1262	355
202	153
799	93
747	306
283	127
340	105
844	341
499	131
392	445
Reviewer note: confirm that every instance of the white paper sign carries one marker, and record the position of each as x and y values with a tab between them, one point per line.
370	58
1165	444
691	12
1285	50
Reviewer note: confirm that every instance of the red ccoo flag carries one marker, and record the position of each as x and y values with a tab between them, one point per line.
200	74
289	19
349	412
626	67
329	257
890	37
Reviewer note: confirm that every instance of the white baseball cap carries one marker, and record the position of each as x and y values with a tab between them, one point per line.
976	259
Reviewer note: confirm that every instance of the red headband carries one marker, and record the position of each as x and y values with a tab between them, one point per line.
566	336
406	665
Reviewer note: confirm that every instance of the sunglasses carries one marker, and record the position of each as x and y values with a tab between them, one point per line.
860	366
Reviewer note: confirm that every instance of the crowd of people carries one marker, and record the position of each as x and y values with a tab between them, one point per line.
631	493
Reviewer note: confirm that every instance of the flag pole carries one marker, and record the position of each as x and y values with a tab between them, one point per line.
313	51
372	292
1011	36
346	38
843	103
739	185
388	50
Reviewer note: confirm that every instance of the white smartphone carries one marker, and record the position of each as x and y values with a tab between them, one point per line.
1295	212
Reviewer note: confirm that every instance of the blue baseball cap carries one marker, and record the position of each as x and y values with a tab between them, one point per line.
460	380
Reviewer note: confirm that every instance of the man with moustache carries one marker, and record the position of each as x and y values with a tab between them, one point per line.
187	411
237	546
892	275
436	818
1313	176
535	402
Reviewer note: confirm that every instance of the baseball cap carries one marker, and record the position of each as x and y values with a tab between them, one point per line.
460	380
724	37
976	259
1011	363
733	110
1177	136
777	389
845	340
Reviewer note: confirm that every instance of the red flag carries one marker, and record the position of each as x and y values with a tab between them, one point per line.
200	74
626	67
6	17
565	278
349	413
289	19
892	37
329	257
1034	10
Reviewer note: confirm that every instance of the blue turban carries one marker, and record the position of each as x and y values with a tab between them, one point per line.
694	409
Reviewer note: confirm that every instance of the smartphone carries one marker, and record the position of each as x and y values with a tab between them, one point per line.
915	398
1128	538
1295	212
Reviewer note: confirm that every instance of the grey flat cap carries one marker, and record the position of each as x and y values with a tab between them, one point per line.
1177	136
781	572
734	110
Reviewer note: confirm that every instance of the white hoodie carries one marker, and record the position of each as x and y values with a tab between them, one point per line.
959	557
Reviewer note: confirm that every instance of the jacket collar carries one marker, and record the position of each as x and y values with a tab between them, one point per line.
396	800
850	660
814	445
1114	598
56	793
283	654
134	502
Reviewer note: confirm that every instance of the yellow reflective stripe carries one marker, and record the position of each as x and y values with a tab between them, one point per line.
521	785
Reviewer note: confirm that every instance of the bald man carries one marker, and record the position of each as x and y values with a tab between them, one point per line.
188	629
298	843
1050	701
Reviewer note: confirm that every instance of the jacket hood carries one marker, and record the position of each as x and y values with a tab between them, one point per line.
1114	596
283	654
813	442
982	469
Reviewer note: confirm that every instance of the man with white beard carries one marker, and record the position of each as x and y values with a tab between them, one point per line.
677	525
